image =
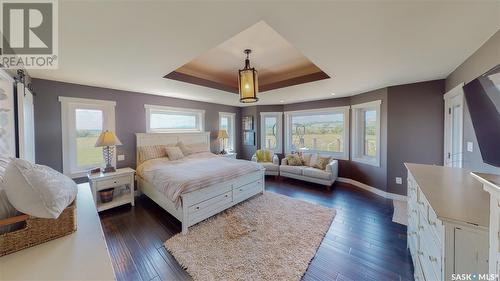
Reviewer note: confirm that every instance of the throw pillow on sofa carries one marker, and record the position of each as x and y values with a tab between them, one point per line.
294	160
38	190
322	162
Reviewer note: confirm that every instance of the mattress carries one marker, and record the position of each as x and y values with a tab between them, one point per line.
193	172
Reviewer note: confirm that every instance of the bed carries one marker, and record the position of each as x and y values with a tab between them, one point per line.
174	185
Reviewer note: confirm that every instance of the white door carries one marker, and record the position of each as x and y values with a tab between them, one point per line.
26	121
453	127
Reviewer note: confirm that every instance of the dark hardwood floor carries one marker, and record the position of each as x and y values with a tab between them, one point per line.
362	243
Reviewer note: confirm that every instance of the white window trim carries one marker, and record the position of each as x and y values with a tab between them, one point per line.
67	120
232	134
357	154
279	125
340	109
200	113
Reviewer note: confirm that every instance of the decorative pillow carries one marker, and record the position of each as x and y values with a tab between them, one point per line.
188	149
264	155
174	153
151	152
199	147
293	160
38	190
322	162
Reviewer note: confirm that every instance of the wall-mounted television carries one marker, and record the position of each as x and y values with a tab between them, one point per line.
483	99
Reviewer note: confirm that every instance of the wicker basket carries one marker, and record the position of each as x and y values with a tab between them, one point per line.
37	230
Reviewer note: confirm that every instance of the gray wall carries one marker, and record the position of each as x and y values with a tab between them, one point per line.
415	129
484	59
130	118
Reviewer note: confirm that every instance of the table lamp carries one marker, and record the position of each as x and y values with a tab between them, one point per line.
223	136
108	140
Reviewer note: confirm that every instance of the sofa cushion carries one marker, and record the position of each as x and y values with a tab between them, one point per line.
292	169
316	173
269	166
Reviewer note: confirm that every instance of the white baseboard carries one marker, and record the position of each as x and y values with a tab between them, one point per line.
372	189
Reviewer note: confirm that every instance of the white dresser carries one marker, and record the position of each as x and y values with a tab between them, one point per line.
82	255
448	219
491	184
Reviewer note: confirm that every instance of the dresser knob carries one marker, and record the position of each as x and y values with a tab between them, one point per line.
432	222
420	227
432	259
197	208
420	253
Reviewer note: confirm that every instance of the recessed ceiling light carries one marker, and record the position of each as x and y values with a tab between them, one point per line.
282	101
333	94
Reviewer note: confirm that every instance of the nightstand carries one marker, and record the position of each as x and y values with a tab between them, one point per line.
229	155
122	181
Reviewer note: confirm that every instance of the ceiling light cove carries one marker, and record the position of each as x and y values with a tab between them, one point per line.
279	64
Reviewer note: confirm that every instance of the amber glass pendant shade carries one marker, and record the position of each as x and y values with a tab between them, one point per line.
248	82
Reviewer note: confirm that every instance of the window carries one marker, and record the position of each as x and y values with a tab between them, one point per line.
83	120
270	131
323	130
366	133
172	119
226	122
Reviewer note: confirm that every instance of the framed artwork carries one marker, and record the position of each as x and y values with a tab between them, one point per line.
248	123
7	126
249	138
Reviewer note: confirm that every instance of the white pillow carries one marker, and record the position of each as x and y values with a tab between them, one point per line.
174	153
38	190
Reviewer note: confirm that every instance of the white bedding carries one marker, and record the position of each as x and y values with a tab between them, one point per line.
199	170
6	209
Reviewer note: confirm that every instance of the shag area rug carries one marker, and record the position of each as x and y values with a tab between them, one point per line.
269	237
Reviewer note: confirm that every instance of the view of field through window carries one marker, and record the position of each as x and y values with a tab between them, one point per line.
88	128
270	125
159	120
318	132
370	134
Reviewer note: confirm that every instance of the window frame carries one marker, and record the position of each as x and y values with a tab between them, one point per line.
232	133
344	155
198	113
357	154
279	125
68	126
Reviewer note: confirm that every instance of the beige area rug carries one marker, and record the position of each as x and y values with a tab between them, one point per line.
400	214
269	237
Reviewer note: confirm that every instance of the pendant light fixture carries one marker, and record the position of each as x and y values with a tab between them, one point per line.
248	81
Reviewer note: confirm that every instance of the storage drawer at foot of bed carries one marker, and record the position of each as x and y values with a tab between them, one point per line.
244	192
210	207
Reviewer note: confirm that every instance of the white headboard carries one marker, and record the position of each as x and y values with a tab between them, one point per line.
146	139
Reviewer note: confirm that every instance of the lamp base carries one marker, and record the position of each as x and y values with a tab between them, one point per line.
223	151
109	169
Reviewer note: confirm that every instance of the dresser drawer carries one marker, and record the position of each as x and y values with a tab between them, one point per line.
432	250
243	192
418	275
427	268
207	208
422	203
114	182
435	225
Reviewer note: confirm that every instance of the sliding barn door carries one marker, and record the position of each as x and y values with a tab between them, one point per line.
26	123
7	120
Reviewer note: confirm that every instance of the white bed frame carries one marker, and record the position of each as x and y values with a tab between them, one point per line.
200	204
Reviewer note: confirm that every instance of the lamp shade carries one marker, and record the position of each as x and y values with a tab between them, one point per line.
222	134
107	138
